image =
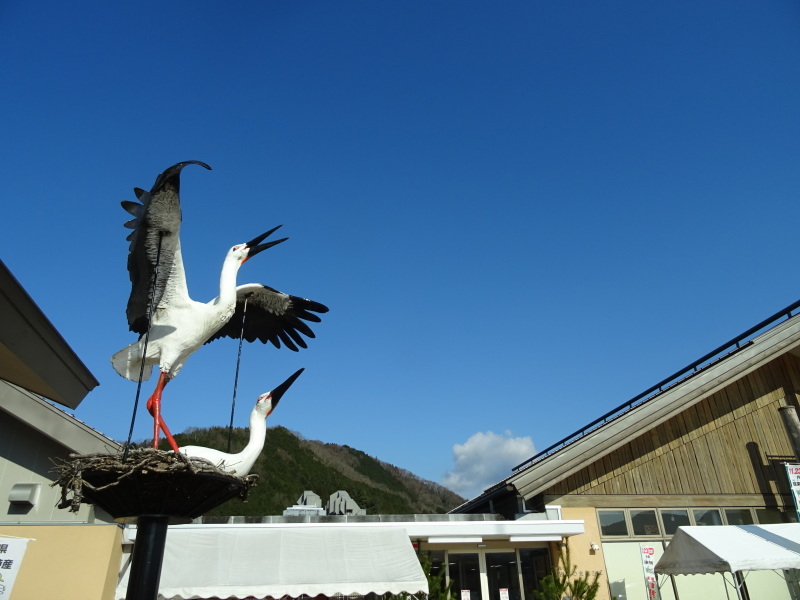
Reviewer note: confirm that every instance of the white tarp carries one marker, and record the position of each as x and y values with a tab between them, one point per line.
259	562
731	548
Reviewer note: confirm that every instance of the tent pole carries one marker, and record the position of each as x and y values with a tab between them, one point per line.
736	585
725	585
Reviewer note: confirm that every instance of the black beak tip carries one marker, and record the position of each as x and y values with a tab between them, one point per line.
279	391
253	250
258	239
255	246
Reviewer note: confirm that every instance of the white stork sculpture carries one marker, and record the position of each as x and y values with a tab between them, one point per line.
170	324
239	464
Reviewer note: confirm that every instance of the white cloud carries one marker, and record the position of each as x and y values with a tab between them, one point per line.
484	459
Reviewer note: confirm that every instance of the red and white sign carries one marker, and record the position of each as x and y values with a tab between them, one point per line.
649	568
793	472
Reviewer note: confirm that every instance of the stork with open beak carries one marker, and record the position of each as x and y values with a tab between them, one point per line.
239	464
170	324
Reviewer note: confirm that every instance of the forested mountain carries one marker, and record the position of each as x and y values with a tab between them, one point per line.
290	465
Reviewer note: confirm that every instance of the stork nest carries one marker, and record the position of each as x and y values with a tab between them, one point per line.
147	481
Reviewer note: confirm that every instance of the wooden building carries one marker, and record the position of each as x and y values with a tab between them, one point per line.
705	446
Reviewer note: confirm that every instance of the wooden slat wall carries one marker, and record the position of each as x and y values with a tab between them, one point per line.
732	442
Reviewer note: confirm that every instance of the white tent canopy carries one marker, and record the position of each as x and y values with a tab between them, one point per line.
731	548
240	562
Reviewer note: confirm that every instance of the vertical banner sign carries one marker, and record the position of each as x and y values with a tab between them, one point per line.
793	472
11	552
649	568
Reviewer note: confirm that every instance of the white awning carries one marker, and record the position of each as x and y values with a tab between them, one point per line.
240	562
731	548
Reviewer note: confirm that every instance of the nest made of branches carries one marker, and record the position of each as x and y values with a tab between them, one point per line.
146	481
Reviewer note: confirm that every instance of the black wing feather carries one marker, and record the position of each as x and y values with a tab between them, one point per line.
272	316
154	240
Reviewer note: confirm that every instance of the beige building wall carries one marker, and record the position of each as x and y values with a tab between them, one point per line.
68	562
580	546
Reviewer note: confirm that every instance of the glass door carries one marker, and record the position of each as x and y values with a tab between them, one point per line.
464	570
534	564
502	576
484	575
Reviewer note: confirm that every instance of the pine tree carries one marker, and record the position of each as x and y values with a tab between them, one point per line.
437	589
566	580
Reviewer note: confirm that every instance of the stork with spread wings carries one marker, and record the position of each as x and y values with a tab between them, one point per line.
170	324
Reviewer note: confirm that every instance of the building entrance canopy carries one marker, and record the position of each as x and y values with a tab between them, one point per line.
205	561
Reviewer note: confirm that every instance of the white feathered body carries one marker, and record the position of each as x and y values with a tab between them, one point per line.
181	325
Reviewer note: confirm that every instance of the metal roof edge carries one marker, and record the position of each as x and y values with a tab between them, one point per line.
494	490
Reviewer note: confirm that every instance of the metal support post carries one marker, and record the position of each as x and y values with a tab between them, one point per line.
148	554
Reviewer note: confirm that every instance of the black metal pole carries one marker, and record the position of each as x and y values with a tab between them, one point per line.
148	554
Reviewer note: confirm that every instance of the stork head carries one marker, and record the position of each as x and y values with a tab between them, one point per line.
266	403
249	249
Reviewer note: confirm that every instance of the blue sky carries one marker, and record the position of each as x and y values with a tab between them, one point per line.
520	214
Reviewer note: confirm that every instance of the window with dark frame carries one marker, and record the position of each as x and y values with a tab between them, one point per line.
612	523
645	522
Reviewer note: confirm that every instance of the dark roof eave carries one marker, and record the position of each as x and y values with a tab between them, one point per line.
491	493
34	355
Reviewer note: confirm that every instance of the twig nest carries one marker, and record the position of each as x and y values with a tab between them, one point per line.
147	481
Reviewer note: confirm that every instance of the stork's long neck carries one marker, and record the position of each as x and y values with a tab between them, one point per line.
258	434
227	281
258	431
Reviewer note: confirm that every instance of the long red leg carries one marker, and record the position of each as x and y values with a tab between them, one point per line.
164	428
154	407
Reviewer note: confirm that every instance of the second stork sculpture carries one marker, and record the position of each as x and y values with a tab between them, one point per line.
172	326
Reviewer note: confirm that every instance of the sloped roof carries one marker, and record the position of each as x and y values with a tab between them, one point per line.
617	432
33	355
670	397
